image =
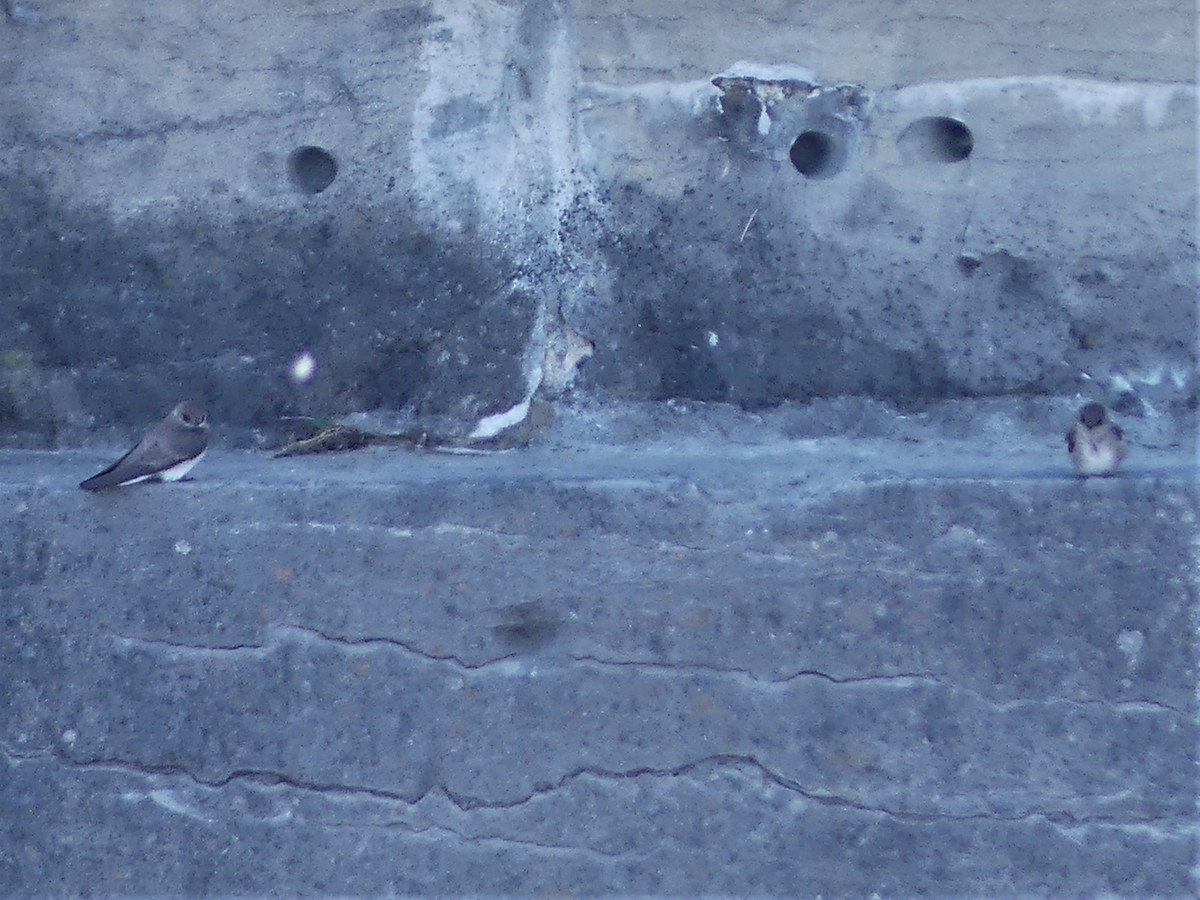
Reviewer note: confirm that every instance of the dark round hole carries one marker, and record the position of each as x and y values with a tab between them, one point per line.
812	154
938	139
312	169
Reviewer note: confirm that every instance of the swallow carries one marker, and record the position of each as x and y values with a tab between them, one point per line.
166	453
1096	445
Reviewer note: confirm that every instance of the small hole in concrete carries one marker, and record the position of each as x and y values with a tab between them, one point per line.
312	169
936	139
812	154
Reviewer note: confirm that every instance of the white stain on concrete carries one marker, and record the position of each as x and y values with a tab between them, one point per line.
1130	644
490	426
1091	102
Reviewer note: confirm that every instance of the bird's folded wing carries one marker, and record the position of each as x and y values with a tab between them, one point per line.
147	458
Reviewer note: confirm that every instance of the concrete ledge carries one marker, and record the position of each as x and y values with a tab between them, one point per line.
806	666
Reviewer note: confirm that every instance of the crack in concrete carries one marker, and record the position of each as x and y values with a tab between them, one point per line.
1122	706
18	756
264	777
134	641
1062	819
768	775
281	633
546	848
484	839
395	643
897	679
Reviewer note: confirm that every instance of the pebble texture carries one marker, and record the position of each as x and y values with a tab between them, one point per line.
794	666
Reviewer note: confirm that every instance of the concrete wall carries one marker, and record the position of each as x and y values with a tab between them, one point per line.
751	666
515	186
854	630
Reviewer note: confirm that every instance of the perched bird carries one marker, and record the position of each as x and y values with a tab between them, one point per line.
1096	445
166	453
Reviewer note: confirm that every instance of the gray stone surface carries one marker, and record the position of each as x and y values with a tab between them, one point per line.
890	273
519	186
791	593
904	665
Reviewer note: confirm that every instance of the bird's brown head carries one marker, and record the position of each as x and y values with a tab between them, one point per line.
1093	414
191	414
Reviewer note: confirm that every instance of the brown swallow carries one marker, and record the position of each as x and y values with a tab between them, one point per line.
1096	445
166	453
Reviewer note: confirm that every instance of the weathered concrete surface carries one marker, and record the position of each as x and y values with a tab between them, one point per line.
631	42
891	272
516	186
822	649
773	665
164	243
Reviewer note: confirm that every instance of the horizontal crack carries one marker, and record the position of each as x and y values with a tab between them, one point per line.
1059	818
125	640
373	642
467	803
23	756
467	838
265	777
899	679
278	634
1138	705
895	679
742	761
547	848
